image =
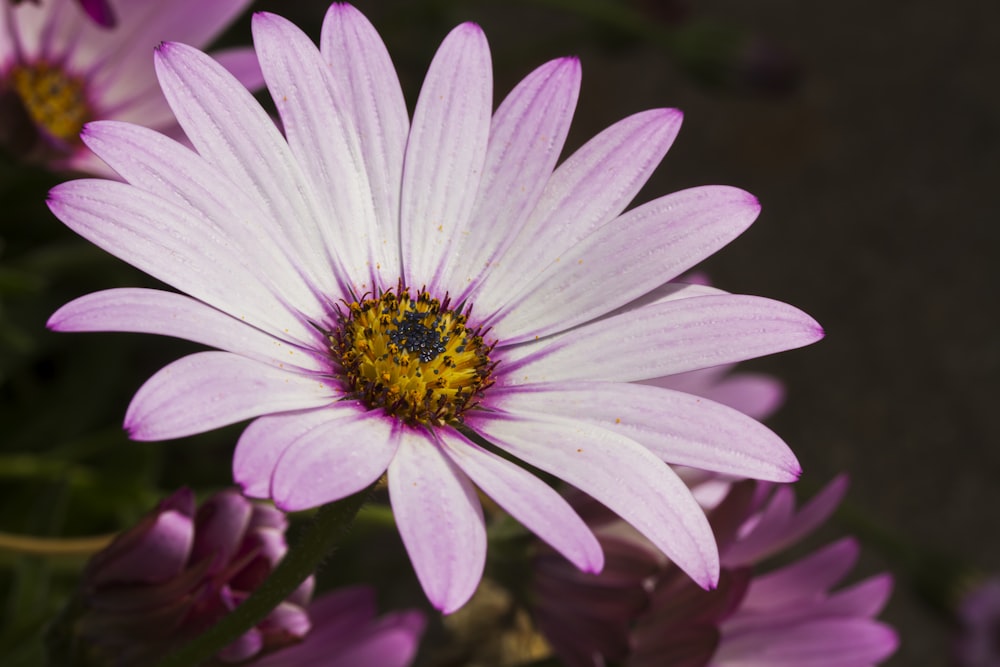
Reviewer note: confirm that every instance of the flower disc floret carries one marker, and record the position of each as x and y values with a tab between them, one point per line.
54	99
414	358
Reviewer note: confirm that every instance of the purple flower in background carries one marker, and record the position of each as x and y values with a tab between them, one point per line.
99	11
979	626
59	69
642	611
178	571
406	296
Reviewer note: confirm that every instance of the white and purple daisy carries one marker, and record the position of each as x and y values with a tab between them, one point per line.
432	298
61	67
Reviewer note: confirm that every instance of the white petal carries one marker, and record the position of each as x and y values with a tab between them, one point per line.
204	391
440	520
619	473
529	500
445	154
679	428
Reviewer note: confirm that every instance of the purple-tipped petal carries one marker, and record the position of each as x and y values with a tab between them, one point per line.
619	473
529	500
626	258
526	136
206	390
266	439
140	310
366	80
333	460
325	143
157	164
445	154
173	244
440	520
661	339
589	189
679	428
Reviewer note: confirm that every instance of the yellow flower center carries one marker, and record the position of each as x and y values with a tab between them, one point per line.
414	358
55	101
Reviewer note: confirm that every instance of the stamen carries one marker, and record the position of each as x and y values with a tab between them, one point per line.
55	100
414	358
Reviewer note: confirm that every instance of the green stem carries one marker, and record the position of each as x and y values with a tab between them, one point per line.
315	544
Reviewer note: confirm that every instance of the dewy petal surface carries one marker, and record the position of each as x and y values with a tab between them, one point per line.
439	518
206	390
619	473
172	244
679	428
445	154
687	333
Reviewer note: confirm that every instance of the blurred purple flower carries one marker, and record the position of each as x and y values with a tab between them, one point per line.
641	611
302	251
177	572
59	69
99	11
978	642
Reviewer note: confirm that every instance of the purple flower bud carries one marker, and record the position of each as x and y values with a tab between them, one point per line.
177	572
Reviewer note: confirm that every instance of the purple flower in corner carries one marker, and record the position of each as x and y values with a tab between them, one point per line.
411	296
180	569
61	68
642	611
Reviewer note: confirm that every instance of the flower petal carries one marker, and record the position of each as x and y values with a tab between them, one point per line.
619	473
526	136
370	93
679	428
168	169
230	129
669	337
174	245
206	390
334	459
805	579
445	154
754	394
326	144
266	438
440	520
626	258
589	189
139	310
779	526
529	500
817	643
